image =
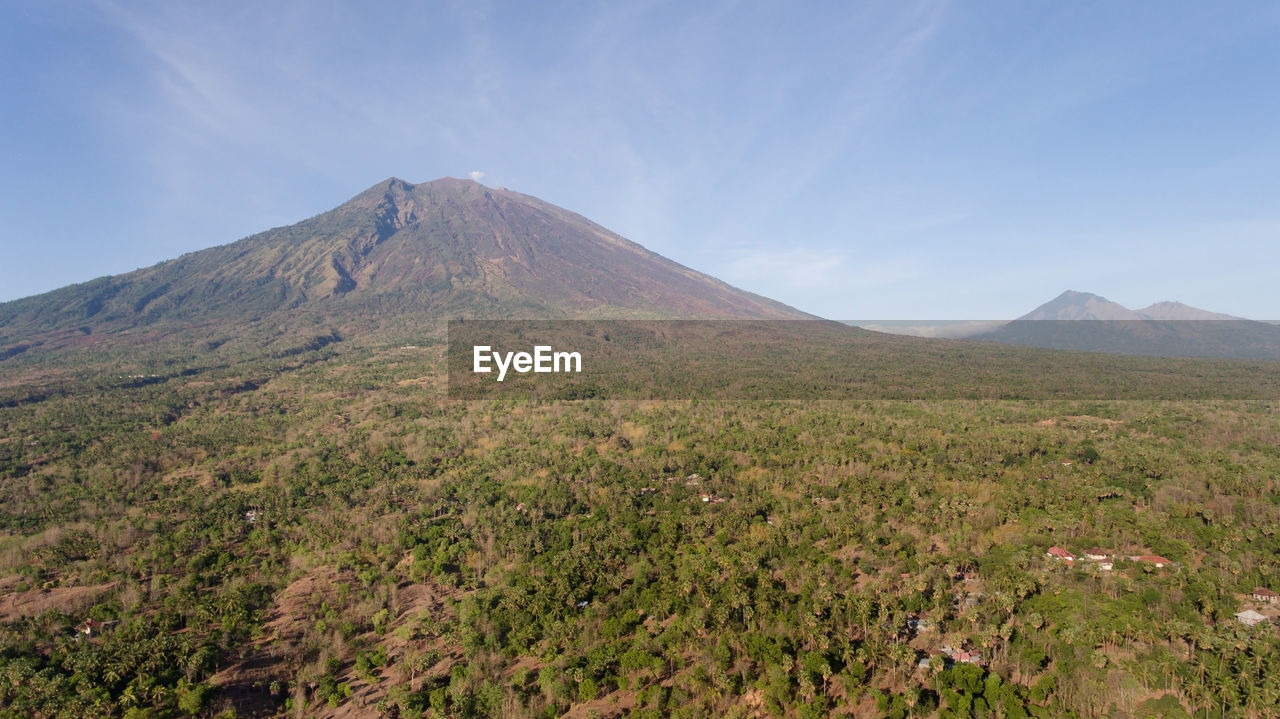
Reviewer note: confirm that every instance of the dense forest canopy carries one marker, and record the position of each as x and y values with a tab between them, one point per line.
324	533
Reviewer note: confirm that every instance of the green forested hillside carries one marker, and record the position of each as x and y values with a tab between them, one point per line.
323	533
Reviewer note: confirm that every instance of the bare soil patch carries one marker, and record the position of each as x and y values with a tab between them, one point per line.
35	602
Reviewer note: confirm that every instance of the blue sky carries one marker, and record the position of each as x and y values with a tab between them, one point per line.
882	160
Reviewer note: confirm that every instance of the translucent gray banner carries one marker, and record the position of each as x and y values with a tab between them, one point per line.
739	359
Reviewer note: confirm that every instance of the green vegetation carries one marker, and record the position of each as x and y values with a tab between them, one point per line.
322	531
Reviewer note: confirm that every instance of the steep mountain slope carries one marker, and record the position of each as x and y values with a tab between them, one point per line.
397	252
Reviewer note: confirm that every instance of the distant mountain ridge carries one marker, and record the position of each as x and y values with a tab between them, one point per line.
1073	305
1180	312
395	255
1087	322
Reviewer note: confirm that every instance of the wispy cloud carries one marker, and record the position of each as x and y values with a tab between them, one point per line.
269	103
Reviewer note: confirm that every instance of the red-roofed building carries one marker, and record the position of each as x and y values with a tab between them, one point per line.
1155	559
1059	553
1262	594
1096	554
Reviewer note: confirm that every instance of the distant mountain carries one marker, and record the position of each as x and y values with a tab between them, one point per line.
1071	305
394	256
1086	322
1180	312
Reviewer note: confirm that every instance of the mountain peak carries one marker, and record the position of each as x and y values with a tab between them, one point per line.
1165	329
1074	305
400	254
396	203
453	242
1076	294
394	187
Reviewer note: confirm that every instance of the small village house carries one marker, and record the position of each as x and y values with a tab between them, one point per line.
1059	553
1250	618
